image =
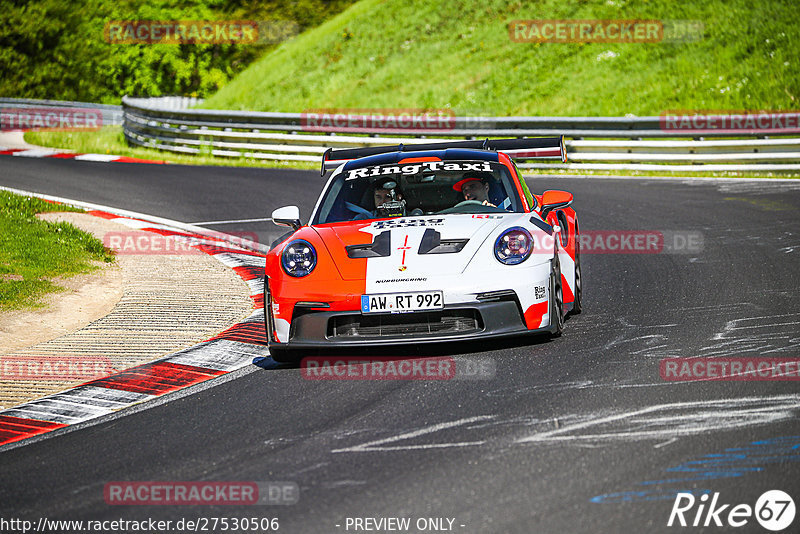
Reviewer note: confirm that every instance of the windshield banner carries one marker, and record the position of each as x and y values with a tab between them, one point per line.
416	168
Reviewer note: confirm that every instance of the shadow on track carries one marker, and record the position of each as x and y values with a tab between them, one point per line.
422	350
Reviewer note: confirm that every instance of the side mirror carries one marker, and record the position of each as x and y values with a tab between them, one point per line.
552	200
287	216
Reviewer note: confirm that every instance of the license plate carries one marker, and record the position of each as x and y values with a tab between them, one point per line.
402	302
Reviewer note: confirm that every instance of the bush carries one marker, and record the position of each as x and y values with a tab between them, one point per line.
55	49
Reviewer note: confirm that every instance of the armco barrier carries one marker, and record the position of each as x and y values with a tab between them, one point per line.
112	115
605	143
646	145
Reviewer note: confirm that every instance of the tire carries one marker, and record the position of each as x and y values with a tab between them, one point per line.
267	304
577	305
557	303
278	354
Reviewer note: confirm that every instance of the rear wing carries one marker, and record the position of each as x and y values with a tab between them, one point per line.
526	147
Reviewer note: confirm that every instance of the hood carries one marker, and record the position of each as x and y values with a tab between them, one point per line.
408	247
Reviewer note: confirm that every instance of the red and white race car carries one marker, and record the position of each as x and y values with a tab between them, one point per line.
424	243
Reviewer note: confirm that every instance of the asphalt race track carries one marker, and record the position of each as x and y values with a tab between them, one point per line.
578	434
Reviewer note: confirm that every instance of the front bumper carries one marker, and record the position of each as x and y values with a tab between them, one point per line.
457	322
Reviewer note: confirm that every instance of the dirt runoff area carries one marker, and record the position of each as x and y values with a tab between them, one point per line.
141	308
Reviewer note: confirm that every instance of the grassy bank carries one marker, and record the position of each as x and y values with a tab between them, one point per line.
459	55
34	252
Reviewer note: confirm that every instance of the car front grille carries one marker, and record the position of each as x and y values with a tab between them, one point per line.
402	325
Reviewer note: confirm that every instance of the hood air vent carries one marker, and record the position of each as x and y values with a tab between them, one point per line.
432	243
381	246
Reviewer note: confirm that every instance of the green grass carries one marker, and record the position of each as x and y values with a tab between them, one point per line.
33	252
458	55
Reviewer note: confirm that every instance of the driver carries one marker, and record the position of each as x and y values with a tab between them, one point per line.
474	186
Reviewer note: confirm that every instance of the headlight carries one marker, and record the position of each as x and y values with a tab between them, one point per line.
299	258
513	246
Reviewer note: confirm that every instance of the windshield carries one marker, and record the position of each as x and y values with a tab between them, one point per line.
419	188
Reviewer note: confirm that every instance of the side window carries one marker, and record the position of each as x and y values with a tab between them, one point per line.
507	197
531	199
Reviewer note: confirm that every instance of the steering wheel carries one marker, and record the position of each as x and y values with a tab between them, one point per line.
463	204
468	203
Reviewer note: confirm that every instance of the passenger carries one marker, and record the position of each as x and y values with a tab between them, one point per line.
388	202
382	196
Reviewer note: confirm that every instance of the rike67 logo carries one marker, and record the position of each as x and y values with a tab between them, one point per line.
774	510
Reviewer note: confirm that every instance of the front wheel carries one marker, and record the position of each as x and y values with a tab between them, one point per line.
556	300
577	305
268	326
278	354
